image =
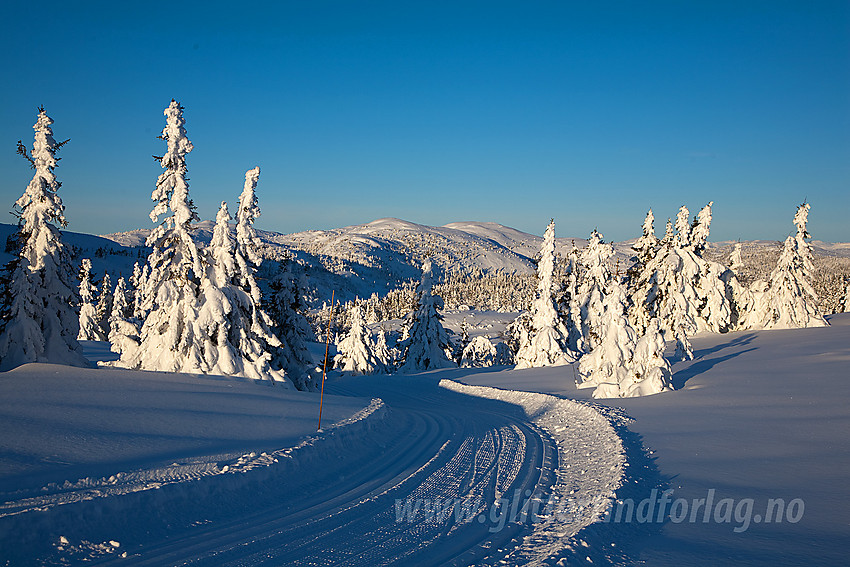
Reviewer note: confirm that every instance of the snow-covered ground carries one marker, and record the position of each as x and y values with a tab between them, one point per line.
177	469
757	416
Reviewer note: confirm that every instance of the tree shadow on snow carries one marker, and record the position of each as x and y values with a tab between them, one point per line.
701	365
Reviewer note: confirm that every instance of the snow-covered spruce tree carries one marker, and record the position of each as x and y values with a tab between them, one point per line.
736	262
680	288
622	365
462	342
548	342
609	359
234	330
176	266
89	325
355	352
790	301
286	307
590	296
427	345
479	353
104	305
38	298
123	328
645	246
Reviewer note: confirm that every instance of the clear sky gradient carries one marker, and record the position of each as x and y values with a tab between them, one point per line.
434	112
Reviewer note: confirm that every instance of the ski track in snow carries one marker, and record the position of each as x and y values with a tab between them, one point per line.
332	499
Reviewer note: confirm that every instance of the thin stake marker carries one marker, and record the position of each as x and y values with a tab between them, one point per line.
325	363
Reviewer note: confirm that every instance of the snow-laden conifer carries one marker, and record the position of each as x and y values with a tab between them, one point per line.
683	290
646	245
427	343
90	329
286	307
736	262
595	277
622	364
123	327
479	353
170	291
790	300
38	299
104	305
355	352
385	356
548	342
230	324
700	229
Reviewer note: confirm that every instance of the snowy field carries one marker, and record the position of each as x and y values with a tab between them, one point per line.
177	469
756	416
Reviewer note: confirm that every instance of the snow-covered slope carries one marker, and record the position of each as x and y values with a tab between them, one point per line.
757	416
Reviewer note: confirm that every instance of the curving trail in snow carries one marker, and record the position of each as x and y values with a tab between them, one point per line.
435	473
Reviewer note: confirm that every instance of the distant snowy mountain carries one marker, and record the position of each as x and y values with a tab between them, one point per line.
363	259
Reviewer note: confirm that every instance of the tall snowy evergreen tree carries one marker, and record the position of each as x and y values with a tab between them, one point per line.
427	345
38	298
590	299
683	290
790	300
234	330
90	329
171	289
548	342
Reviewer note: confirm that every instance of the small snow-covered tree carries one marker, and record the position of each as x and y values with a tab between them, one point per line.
846	303
608	361
790	300
38	298
427	345
123	328
622	364
89	324
736	262
650	372
548	342
170	291
355	352
385	356
479	353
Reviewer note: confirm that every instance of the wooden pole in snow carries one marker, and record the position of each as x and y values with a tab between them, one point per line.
325	363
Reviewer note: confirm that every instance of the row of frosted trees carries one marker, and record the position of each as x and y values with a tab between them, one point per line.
189	309
615	327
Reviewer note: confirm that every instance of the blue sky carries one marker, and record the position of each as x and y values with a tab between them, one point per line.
434	112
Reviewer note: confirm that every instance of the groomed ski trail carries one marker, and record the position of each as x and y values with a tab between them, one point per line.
375	492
